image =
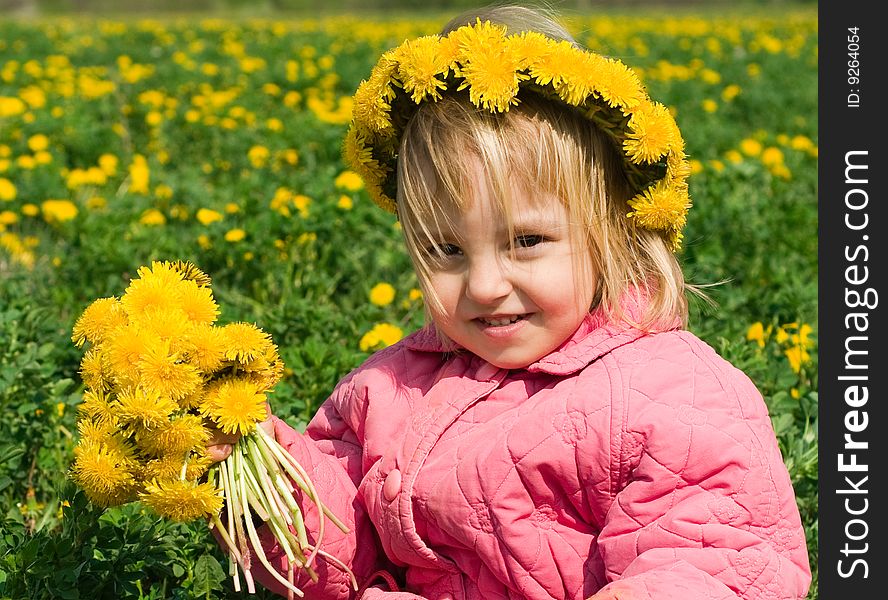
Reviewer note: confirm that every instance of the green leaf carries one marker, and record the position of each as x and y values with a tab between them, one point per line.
208	575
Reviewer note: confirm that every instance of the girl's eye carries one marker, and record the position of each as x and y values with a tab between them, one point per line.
528	241
443	250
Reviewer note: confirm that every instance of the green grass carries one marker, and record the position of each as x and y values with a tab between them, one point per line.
305	278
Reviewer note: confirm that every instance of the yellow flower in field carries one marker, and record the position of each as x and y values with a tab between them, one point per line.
8	190
797	357
717	165
344	202
7	217
734	157
108	164
232	208
43	158
382	334
99	319
181	500
10	107
382	294
730	92
58	211
756	333
235	405
207	216
349	180
154	118
772	156
197	302
290	156
26	162
152	216
751	147
801	142
204	242
163	192
144	408
415	295
38	142
709	105
781	171
258	156
139	175
235	235
696	166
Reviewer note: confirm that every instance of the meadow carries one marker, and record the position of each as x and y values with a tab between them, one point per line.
217	141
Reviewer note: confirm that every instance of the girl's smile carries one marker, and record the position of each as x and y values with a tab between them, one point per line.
514	294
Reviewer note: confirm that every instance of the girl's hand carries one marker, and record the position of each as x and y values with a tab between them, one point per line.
220	444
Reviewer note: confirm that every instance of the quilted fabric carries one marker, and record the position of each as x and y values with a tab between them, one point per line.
636	466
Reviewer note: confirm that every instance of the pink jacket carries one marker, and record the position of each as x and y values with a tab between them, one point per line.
640	463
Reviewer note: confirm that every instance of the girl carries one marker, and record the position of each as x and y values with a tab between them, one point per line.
554	432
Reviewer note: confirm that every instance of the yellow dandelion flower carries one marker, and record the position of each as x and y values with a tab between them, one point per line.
797	357
140	174
651	134
772	157
423	68
8	190
349	180
198	464
235	235
660	207
372	102
165	466
491	71
619	85
177	436
197	303
155	288
181	500
93	431
104	473
58	211
750	147
190	272
143	408
99	319
235	405
96	406
244	341
123	352
94	370
580	73
207	216
382	294
204	347
756	333
162	372
382	335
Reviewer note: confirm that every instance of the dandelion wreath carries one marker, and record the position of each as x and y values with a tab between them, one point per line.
159	374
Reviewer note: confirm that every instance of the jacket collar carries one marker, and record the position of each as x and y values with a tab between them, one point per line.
595	337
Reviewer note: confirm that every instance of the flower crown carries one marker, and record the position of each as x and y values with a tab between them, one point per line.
494	67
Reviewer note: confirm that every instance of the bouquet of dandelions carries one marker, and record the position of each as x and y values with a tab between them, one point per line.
158	375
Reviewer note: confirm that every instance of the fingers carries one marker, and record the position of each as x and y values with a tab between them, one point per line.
219	452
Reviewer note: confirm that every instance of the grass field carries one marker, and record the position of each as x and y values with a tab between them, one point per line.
124	141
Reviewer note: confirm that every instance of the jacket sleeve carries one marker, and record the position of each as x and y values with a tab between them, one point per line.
704	507
331	454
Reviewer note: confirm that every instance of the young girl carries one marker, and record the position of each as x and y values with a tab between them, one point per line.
554	432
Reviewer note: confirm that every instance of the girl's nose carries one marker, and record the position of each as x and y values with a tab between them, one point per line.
487	281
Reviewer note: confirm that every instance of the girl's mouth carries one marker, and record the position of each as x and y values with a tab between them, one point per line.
501	321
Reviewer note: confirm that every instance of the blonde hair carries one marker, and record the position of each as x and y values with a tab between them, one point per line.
543	147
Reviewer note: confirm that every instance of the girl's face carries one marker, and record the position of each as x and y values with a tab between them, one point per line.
510	299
